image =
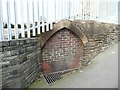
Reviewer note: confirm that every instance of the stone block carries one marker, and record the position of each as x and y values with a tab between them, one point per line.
1	49
0	44
9	48
22	59
5	43
22	50
15	52
4	59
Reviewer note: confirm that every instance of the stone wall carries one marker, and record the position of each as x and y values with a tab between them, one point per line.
100	36
20	62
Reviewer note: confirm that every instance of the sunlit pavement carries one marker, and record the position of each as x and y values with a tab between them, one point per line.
101	73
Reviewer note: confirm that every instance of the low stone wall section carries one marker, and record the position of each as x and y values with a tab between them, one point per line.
100	36
20	62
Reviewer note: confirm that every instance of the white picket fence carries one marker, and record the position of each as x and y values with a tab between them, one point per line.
40	13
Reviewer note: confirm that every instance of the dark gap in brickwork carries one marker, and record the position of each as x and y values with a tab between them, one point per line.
49	26
36	31
45	28
40	29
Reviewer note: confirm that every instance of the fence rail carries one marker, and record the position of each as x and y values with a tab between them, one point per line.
18	18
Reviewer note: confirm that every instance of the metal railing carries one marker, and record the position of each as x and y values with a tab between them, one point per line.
19	17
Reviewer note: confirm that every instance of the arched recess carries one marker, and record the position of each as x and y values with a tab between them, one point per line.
60	25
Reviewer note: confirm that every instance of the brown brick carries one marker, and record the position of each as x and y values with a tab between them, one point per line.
63	46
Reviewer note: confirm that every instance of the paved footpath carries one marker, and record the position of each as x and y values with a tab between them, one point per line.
101	73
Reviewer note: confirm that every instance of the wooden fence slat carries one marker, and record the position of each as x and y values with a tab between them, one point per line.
28	19
43	29
33	9
1	22
47	18
16	20
47	13
22	18
38	11
9	21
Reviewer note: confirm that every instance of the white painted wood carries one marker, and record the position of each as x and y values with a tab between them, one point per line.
9	21
49	13
38	11
22	18
16	20
33	17
28	20
43	29
1	22
47	20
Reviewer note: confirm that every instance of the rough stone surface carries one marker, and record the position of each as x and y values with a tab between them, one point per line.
100	36
20	62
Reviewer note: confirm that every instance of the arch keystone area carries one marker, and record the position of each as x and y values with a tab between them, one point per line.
60	25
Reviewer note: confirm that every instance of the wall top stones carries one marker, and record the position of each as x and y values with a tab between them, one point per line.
8	45
84	29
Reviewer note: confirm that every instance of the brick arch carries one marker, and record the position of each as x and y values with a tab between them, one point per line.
60	25
63	51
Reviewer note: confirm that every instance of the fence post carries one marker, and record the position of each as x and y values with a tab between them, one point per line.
16	19
8	20
69	4
28	20
76	9
1	22
118	8
22	19
57	5
47	18
97	6
43	29
60	14
38	16
1	39
55	8
89	10
70	8
62	9
73	10
51	19
33	17
66	9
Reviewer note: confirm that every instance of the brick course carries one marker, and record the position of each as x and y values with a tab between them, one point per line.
64	50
